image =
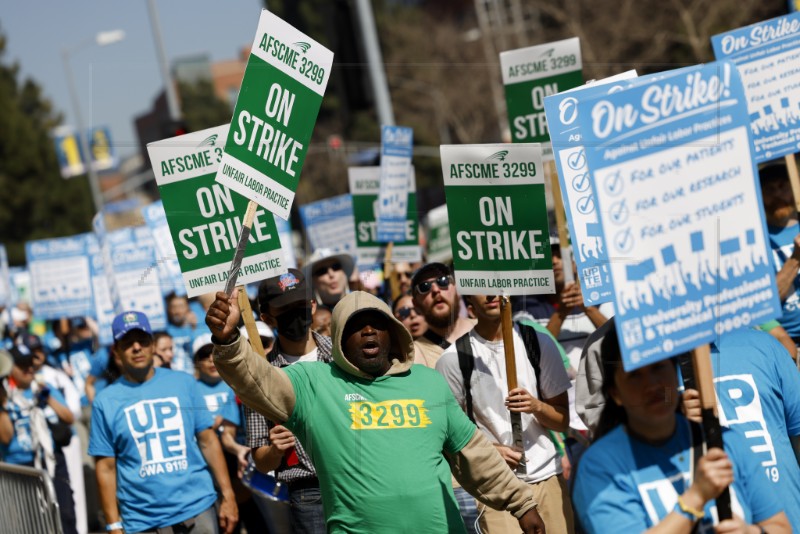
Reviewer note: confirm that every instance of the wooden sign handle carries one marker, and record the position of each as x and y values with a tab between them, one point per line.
561	222
511	378
249	322
704	378
794	178
238	255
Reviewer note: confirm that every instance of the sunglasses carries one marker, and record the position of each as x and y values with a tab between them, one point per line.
443	282
405	312
403	274
319	271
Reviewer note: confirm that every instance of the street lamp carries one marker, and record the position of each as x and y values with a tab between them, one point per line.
101	39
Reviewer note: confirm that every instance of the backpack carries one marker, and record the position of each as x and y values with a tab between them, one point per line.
466	361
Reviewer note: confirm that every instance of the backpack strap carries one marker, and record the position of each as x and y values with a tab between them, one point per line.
531	341
466	362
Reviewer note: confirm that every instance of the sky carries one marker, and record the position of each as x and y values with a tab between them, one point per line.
119	81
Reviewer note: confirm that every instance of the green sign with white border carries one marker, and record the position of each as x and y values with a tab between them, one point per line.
438	235
281	94
532	73
498	219
365	184
205	217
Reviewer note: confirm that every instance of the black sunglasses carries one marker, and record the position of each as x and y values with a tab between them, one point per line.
319	271
405	312
423	288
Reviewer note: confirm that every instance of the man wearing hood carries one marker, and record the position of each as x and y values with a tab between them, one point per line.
375	425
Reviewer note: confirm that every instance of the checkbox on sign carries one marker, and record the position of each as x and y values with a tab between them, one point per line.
586	205
580	182
577	160
624	240
613	183
619	212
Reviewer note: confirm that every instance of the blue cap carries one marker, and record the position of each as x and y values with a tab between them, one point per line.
127	321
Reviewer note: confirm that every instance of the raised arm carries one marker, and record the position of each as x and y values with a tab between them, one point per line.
260	385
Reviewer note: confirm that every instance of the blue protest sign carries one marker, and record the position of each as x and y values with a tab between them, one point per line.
329	224
675	155
396	150
104	157
68	152
170	270
576	187
103	305
60	277
766	54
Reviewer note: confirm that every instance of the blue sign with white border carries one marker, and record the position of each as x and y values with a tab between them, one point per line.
329	224
396	151
681	214
60	277
767	54
576	187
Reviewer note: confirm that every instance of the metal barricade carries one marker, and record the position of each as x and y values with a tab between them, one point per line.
27	501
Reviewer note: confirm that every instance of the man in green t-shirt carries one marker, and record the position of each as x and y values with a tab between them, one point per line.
383	434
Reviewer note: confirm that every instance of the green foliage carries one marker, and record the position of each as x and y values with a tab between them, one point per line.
36	202
201	107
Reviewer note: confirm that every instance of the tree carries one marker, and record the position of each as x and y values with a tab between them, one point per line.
201	107
36	202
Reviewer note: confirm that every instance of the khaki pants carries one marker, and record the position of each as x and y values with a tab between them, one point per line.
554	507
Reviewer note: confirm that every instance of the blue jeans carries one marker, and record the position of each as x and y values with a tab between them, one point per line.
308	516
468	508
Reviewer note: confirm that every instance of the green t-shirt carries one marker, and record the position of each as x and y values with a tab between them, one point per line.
377	447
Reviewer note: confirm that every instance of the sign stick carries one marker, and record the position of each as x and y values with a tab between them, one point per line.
704	378
388	271
794	178
561	223
249	322
511	377
247	224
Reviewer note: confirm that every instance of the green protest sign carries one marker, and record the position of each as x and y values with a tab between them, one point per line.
529	75
205	217
281	93
498	218
365	189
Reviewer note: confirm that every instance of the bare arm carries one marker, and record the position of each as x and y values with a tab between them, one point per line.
106	472
268	457
64	414
212	452
551	413
788	272
90	389
782	335
6	428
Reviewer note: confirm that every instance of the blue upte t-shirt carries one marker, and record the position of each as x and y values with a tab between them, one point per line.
182	337
782	242
220	400
626	485
758	390
20	449
162	477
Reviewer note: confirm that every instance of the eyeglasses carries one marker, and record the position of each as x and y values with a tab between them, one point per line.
443	282
405	312
403	274
319	271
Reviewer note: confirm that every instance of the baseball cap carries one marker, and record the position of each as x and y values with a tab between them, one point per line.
128	321
200	341
284	289
428	270
31	341
263	330
21	355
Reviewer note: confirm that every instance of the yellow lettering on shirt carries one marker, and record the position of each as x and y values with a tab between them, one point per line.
402	413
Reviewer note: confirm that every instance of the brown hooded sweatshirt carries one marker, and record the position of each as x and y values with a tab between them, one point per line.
477	465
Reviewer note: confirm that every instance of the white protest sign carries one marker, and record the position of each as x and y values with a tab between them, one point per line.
396	151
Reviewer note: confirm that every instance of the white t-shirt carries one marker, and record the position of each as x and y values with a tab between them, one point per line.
308	357
490	388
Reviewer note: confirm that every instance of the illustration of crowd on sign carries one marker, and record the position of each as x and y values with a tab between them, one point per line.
617	355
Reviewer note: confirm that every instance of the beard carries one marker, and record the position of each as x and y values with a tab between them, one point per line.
446	318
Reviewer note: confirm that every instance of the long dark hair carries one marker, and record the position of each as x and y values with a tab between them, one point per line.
612	414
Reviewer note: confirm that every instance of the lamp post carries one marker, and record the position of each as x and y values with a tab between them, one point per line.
101	39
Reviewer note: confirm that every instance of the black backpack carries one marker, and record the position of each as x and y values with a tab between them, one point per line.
466	361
